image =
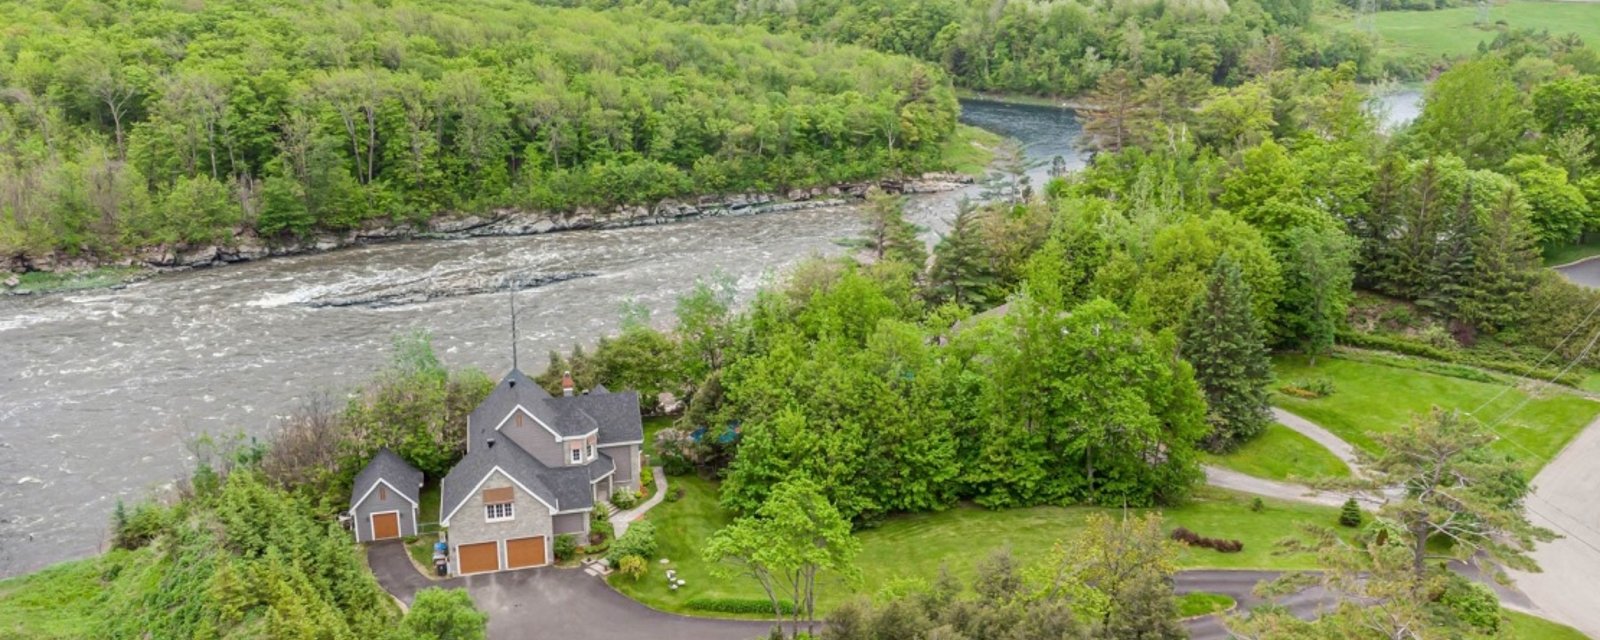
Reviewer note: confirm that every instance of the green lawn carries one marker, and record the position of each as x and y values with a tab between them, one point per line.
1200	603
1454	32
428	511
1526	627
1282	454
1371	398
55	602
914	547
653	424
1556	256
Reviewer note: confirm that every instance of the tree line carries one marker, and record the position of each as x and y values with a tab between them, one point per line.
1055	48
130	124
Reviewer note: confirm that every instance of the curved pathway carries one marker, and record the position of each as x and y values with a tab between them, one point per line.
621	519
1245	483
1336	445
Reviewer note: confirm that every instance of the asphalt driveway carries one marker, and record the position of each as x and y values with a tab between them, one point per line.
555	603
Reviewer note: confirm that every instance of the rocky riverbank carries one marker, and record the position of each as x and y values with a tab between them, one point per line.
247	246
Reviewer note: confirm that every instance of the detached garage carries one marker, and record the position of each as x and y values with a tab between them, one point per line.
383	500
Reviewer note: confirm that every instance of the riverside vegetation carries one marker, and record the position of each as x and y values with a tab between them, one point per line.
129	124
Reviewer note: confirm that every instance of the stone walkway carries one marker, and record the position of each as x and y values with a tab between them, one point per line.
621	519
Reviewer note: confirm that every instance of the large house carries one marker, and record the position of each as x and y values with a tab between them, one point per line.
536	467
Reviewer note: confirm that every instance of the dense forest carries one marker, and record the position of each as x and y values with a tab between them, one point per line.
131	123
1144	293
1055	48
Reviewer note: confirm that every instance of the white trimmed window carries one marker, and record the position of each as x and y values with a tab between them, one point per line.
498	512
577	454
591	451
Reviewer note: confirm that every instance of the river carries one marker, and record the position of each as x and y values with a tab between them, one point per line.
101	390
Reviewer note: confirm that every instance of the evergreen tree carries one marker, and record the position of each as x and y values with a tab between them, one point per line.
1506	267
961	272
1454	260
1317	276
1225	343
1350	514
888	235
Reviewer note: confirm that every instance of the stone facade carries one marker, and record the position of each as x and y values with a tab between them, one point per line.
469	524
379	500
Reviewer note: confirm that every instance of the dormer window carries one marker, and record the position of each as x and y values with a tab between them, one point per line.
577	455
591	450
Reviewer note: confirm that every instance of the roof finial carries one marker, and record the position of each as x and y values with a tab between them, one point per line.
513	295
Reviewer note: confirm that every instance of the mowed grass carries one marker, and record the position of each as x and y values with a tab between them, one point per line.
913	548
1371	398
1526	627
1569	253
1200	603
1455	32
1280	453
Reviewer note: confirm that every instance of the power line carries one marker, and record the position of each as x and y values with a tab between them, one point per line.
1546	357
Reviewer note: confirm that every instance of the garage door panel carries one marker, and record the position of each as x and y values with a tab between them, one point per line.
525	552
385	526
478	558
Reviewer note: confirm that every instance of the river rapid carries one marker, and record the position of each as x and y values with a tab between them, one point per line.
100	390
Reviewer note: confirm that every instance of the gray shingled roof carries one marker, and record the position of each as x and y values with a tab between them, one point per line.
615	415
387	466
567	488
602	465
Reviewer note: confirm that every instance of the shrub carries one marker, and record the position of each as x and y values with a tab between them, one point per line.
738	605
1350	515
640	540
1309	388
624	499
634	567
1472	603
566	547
1457	356
135	531
647	481
675	495
1257	505
1193	539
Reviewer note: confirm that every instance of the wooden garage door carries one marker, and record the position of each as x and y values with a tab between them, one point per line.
385	526
525	552
477	558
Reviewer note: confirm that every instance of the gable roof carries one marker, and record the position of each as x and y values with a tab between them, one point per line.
614	415
562	489
393	471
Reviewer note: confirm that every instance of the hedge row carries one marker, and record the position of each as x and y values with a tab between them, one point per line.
1423	350
1196	540
738	605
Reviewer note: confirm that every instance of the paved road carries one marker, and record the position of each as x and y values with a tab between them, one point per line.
1334	444
1568	590
1585	272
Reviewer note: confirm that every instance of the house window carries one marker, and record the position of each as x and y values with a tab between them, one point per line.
577	454
498	512
591	451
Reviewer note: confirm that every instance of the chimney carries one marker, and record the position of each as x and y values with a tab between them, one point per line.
491	443
566	383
